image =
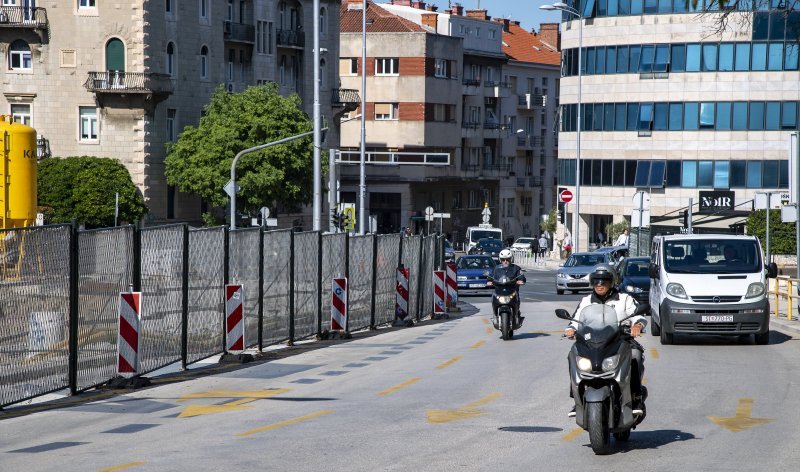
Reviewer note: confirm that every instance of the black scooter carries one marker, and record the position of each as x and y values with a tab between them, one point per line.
600	375
505	306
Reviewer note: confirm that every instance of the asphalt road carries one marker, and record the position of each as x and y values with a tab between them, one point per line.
440	396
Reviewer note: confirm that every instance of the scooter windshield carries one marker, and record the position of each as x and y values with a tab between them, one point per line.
598	324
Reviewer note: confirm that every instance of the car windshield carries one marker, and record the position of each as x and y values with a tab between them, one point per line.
580	260
479	234
524	240
476	263
712	256
599	323
636	268
490	244
447	244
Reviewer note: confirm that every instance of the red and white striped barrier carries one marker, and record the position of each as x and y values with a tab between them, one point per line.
439	292
339	305
234	318
401	300
452	285
130	317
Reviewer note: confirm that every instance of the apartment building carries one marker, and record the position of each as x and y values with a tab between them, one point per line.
440	119
120	79
674	108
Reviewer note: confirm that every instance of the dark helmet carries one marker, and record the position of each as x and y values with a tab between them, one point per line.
603	272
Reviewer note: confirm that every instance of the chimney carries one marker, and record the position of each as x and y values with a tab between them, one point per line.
505	22
418	5
402	3
457	9
432	8
348	2
550	35
429	20
477	14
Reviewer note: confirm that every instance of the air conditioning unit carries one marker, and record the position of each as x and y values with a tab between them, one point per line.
229	87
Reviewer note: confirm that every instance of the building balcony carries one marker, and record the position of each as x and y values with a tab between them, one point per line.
239	32
395	158
470	87
128	82
530	101
529	182
293	38
496	89
471	130
23	17
345	98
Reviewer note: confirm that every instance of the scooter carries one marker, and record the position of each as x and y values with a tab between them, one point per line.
505	306
600	375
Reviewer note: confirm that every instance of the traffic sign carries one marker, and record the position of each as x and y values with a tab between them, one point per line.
565	196
641	201
429	213
231	188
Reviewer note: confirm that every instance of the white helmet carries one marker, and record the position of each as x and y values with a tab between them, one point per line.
506	254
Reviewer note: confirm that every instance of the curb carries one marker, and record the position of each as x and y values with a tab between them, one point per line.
791	328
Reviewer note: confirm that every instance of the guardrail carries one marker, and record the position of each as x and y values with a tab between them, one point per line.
785	288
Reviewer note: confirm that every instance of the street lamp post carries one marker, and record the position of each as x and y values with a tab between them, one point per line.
576	221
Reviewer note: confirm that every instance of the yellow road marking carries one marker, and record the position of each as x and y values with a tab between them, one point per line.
450	362
486	320
122	467
478	344
489	330
654	353
197	410
236	394
742	421
399	386
468	411
286	423
572	435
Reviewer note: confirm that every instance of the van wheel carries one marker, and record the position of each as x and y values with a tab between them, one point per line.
762	338
559	291
655	330
666	338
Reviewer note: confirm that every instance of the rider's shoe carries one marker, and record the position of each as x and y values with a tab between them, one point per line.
571	413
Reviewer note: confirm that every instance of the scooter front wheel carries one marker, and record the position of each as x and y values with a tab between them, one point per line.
599	435
505	326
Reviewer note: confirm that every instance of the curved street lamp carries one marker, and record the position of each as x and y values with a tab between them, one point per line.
576	221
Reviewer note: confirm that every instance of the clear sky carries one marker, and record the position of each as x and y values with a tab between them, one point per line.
527	12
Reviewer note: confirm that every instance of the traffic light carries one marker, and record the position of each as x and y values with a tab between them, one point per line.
685	219
337	219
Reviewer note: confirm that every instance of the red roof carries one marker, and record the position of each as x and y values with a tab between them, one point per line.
382	21
522	45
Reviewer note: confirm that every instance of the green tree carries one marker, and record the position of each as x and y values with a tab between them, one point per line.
83	188
613	230
781	235
549	224
200	161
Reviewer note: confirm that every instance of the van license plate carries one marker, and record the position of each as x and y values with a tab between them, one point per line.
717	318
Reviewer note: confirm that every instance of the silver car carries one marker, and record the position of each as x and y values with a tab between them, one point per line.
574	274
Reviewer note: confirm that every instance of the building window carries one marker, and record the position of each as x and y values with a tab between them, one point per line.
348	66
87	4
474	199
492	34
231	61
282	70
387	66
170	59
204	9
204	62
322	70
269	38
229	16
442	68
19	56
171	115
456	200
88	126
386	111
323	21
21	113
168	6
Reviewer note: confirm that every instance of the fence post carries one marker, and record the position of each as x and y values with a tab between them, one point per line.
185	299
374	280
291	289
420	277
137	257
347	276
400	251
789	297
320	290
260	289
74	283
226	275
777	288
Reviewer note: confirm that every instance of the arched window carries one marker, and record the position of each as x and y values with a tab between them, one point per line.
204	62
323	25
115	55
322	69
170	59
282	15
19	56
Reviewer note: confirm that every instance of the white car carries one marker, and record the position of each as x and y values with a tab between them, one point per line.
524	244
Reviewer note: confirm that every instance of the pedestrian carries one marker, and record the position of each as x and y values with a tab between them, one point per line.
601	238
622	240
542	247
566	245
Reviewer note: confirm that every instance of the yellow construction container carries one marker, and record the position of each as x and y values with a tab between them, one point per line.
18	174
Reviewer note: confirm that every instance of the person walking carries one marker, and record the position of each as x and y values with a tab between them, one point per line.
622	239
542	247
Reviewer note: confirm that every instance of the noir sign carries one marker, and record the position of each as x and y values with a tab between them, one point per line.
716	200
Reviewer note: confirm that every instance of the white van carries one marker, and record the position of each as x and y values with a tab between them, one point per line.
476	233
709	284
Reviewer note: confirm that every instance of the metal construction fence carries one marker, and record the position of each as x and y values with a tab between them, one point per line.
60	289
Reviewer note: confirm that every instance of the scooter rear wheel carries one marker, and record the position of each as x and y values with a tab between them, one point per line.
599	435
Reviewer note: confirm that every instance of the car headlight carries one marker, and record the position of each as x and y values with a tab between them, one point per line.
584	364
610	363
461	278
505	299
676	290
561	275
755	289
632	289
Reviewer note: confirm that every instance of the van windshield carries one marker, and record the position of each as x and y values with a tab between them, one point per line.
712	256
479	234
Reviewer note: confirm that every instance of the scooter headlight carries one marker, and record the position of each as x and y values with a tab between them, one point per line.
505	299
610	363
632	289
584	364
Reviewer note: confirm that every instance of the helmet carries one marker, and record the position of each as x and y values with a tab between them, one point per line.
603	272
505	254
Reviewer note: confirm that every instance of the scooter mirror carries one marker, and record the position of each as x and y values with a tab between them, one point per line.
563	314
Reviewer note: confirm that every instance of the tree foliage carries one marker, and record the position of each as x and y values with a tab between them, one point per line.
200	161
613	230
549	224
781	235
83	188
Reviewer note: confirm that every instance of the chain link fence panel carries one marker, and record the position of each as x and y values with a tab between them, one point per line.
359	284
333	267
427	266
276	285
105	269
386	274
411	259
639	242
243	261
306	283
34	312
206	323
162	297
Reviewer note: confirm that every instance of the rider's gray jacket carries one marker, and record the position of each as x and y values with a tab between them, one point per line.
622	303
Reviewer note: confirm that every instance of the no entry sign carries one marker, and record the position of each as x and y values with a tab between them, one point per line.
565	196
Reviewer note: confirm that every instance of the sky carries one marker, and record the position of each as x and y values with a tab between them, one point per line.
527	12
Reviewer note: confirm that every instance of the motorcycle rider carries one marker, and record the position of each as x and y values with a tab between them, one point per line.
508	269
604	292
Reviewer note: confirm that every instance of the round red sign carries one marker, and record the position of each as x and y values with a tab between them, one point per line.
565	196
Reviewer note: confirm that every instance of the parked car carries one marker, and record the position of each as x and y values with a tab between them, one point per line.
449	252
634	279
574	274
525	244
616	252
472	274
489	247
